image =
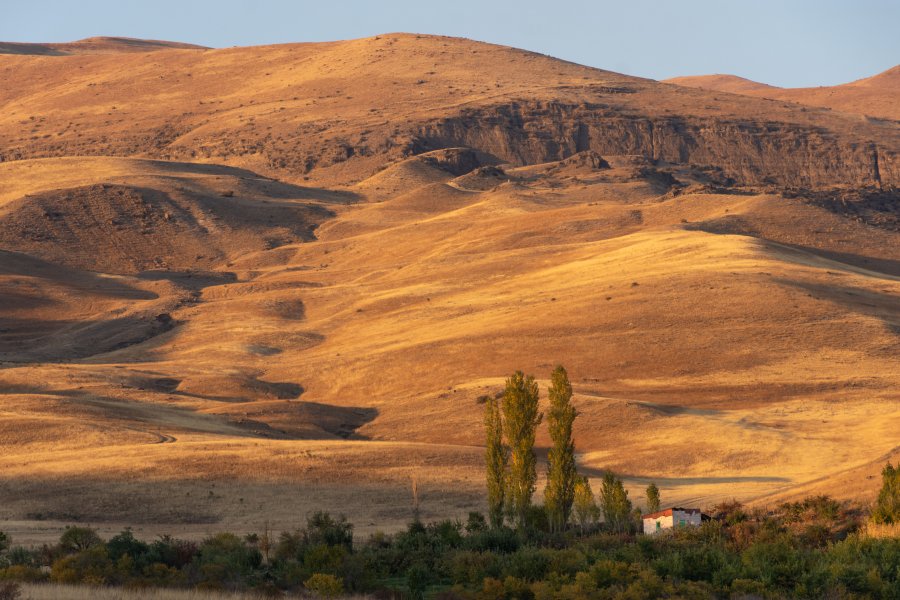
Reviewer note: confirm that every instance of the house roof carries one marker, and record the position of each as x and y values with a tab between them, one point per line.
668	512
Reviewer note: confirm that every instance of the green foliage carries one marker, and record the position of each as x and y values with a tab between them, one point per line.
322	528
125	544
224	560
561	474
496	455
4	542
887	506
75	539
653	500
172	552
585	506
418	578
520	420
791	551
324	585
777	563
475	523
615	503
90	566
23	573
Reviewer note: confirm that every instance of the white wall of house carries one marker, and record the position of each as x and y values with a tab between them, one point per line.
657	524
676	518
687	518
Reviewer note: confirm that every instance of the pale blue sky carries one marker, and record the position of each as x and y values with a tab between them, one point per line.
781	42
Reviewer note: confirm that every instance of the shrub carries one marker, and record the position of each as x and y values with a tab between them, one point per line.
19	555
778	564
225	560
23	573
75	539
887	507
418	578
324	559
125	544
503	540
528	564
322	528
475	523
91	566
172	552
469	567
324	585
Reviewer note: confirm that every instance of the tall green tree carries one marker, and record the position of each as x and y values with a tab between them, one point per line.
887	507
653	501
521	418
615	503
561	474
585	505
495	457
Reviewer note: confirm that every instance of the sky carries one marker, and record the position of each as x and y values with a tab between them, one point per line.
789	43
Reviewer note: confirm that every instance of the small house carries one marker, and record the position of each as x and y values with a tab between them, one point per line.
671	518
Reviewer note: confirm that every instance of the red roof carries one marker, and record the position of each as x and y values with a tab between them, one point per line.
668	512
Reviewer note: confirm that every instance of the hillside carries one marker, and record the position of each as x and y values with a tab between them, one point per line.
93	45
243	284
874	96
336	112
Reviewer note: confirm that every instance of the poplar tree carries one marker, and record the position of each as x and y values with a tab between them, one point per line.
585	505
614	502
520	420
495	458
653	502
561	474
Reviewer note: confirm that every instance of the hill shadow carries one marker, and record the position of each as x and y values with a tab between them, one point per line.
274	188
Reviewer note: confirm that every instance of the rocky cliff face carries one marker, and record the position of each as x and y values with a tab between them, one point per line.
747	152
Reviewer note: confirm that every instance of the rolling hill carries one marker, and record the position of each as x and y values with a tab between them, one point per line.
243	284
874	96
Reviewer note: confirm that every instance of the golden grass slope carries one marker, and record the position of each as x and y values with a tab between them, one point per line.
277	346
874	96
779	349
336	112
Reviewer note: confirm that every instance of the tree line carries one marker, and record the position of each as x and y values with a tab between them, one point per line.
511	420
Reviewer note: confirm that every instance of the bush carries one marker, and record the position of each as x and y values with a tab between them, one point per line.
887	507
23	573
91	566
324	585
418	578
475	523
528	564
779	565
224	560
469	567
503	540
324	559
322	528
125	544
75	539
172	552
